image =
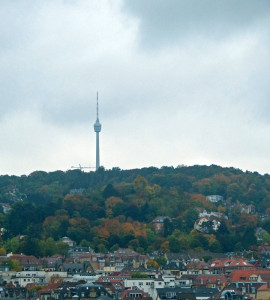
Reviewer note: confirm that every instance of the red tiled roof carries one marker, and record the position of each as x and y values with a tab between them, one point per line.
264	287
25	259
197	265
228	263
244	275
49	287
128	292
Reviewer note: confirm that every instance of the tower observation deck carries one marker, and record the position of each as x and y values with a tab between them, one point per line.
97	129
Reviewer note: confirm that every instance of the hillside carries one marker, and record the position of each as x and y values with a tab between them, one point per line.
115	208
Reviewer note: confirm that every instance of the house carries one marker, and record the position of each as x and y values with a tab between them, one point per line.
263	292
70	291
159	223
27	262
214	198
187	280
113	278
149	271
50	263
176	269
211	281
249	281
168	293
212	214
77	252
28	277
206	224
197	267
128	257
68	241
97	261
249	276
227	265
187	293
25	278
12	292
47	292
135	293
74	268
114	288
148	285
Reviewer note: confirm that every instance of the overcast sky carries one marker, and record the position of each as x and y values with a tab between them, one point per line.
179	82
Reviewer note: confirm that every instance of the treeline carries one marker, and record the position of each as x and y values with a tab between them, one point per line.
115	208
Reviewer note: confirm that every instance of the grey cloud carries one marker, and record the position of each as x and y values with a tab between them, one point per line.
168	22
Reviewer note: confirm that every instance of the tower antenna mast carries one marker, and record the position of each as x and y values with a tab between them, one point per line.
97	105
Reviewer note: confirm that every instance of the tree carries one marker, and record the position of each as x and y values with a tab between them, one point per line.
110	191
30	246
13	264
3	251
62	248
189	218
152	263
161	260
12	245
174	244
48	247
139	275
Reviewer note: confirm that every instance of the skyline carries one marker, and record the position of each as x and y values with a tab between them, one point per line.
180	82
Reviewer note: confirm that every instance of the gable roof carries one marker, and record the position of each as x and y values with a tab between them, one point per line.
264	287
25	259
244	275
230	262
127	293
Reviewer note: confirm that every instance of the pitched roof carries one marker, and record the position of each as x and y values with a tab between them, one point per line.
201	265
126	293
230	262
25	259
244	275
264	287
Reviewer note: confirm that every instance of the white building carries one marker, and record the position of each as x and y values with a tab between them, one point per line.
214	198
29	277
149	285
36	277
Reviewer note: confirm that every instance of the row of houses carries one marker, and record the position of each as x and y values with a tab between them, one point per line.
126	272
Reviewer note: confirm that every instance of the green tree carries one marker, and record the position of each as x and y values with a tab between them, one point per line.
48	247
174	244
12	245
62	248
13	265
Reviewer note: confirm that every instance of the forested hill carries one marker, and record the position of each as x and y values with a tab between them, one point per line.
114	208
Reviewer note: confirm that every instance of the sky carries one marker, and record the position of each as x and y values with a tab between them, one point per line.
180	82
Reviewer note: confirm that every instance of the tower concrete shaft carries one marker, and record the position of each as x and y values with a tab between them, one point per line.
97	151
97	129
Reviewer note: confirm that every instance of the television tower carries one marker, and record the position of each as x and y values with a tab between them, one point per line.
97	128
